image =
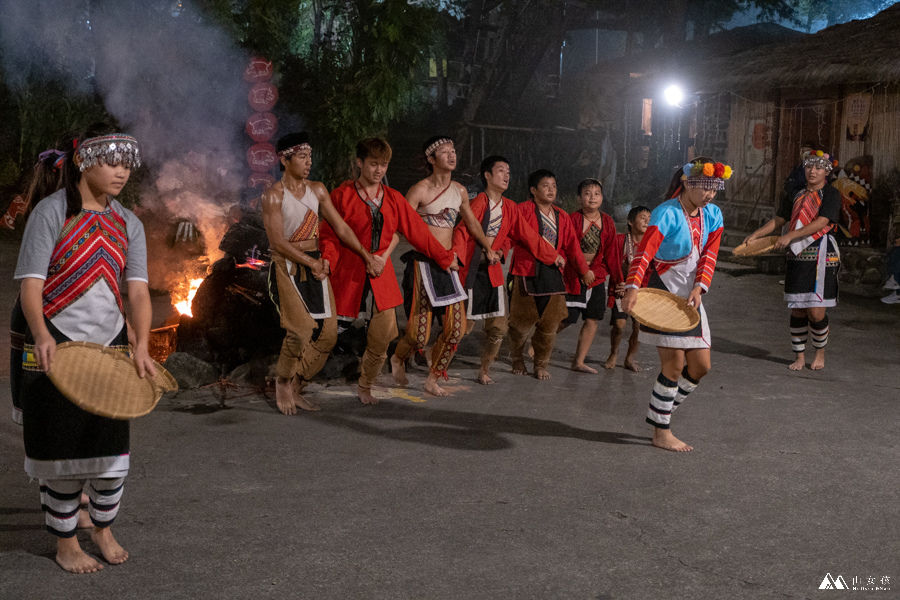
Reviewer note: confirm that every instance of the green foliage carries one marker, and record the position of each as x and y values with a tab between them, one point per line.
363	75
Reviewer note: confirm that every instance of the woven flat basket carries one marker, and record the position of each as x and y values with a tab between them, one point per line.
664	311
102	381
757	246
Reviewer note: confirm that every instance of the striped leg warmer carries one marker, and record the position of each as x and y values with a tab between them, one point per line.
819	332
60	501
105	495
686	385
660	410
799	333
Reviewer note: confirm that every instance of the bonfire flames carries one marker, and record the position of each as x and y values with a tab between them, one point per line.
186	293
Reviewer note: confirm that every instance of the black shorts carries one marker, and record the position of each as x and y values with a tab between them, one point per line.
615	314
595	307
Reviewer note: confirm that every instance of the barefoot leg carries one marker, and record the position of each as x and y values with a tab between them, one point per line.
615	338
300	401
818	362
585	339
541	372
633	345
84	519
365	396
518	366
73	559
112	552
432	387
799	362
663	438
398	371
284	396
483	376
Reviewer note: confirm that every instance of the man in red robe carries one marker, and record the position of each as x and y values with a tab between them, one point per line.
374	212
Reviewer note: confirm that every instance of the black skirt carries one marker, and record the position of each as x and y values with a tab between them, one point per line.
63	441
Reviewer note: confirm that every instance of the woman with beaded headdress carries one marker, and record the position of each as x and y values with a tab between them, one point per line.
813	259
79	243
678	254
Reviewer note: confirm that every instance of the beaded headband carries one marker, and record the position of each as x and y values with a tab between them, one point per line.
705	175
114	149
820	159
294	149
434	146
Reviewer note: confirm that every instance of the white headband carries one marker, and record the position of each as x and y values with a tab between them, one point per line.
430	149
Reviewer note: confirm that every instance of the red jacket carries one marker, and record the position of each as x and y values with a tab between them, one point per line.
566	245
348	277
604	262
512	227
617	275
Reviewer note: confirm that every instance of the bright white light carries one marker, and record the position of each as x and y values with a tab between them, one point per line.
674	95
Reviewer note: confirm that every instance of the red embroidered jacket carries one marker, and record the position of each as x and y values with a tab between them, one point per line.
604	262
512	228
348	271
566	246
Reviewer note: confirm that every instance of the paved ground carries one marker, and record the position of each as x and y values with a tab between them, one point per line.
525	489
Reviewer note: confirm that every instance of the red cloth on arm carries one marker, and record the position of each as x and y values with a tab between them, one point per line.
348	271
708	257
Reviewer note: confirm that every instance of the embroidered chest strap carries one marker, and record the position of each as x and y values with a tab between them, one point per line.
91	247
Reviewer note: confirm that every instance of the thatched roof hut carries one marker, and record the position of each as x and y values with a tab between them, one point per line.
864	51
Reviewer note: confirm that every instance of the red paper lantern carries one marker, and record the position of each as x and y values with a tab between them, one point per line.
262	157
259	69
261	126
263	96
260	180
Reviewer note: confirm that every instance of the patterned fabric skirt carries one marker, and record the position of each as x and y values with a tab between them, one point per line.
811	277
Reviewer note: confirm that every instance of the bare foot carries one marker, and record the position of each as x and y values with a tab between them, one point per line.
798	364
483	377
632	366
432	387
428	351
84	499
73	559
542	373
398	370
297	386
84	520
530	351
518	366
611	361
112	552
284	396
583	368
663	438
818	362
365	396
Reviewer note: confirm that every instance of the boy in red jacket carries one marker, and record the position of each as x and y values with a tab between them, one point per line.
538	294
596	234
